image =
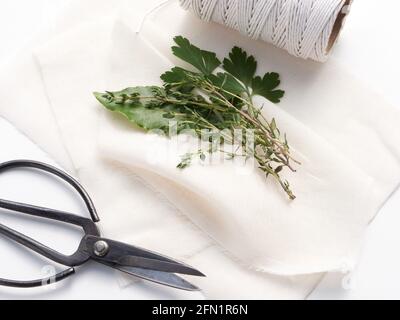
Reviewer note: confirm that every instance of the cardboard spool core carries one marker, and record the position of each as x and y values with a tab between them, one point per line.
337	27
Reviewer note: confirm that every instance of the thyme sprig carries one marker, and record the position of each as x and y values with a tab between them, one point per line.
215	96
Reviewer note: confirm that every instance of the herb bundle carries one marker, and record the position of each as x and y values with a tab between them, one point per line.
215	96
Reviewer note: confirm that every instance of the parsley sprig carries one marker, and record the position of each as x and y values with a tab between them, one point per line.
215	96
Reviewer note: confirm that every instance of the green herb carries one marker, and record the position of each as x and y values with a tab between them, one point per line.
215	96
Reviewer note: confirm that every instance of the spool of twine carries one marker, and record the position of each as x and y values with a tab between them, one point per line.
307	29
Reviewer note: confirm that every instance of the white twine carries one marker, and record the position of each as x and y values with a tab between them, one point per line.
304	28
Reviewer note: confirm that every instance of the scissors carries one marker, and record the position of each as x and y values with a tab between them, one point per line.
129	259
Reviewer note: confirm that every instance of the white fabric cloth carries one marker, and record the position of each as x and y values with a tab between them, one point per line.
248	239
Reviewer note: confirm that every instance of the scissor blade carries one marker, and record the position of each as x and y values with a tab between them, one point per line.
119	254
160	277
159	265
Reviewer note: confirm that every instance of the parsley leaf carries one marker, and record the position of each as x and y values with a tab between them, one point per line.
240	65
243	67
228	83
174	76
178	78
204	61
266	87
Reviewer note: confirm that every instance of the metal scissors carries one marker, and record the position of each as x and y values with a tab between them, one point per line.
129	259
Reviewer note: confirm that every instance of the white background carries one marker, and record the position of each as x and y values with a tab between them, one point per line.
368	47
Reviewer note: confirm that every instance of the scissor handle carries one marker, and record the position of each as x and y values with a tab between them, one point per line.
59	173
38	283
88	225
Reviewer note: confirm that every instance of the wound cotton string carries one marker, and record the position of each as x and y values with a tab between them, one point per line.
307	29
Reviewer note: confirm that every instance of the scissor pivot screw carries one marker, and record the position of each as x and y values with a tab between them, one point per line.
101	248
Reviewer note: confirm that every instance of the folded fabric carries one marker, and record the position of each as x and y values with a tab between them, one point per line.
234	204
221	226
